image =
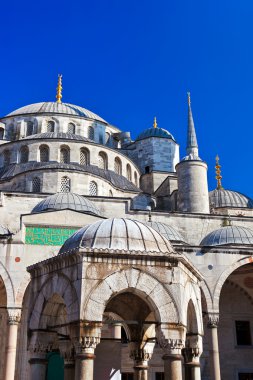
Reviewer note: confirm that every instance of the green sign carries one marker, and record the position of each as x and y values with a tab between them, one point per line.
47	235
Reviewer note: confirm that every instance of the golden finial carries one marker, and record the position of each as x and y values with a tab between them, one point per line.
155	123
218	172
59	89
189	98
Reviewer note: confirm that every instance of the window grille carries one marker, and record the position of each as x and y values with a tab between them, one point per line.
29	128
71	128
102	164
64	155
7	157
117	166
65	185
91	133
84	157
36	185
24	154
44	154
50	126
129	173
93	188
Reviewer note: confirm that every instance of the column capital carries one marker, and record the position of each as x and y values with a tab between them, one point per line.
212	319
171	346
86	344
140	355
14	316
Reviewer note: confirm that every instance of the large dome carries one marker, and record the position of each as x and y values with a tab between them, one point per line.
56	108
155	132
227	198
118	234
229	235
64	201
167	231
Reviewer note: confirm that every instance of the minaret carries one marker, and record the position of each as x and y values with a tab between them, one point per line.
192	175
59	89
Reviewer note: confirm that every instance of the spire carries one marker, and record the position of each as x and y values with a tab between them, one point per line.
192	145
155	123
59	89
218	173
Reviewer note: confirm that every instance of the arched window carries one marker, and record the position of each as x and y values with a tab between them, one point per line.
44	153
117	166
24	154
129	172
135	179
36	185
65	185
50	126
71	128
102	160
93	188
91	133
7	158
84	156
1	133
64	155
29	128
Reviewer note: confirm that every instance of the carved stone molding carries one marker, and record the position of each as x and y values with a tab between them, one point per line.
86	344
190	353
213	320
14	316
140	355
170	346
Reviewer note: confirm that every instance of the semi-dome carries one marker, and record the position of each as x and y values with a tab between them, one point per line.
155	132
56	108
64	201
229	235
167	231
118	234
227	198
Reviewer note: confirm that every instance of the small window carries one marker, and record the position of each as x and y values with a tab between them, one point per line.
7	157
91	133
50	126
147	169
29	128
117	166
1	133
129	173
243	335
84	156
71	128
64	155
24	154
36	185
135	179
102	160
65	185
159	376
127	376
101	140
44	153
107	137
93	188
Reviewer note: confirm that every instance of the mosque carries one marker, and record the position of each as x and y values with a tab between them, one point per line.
116	260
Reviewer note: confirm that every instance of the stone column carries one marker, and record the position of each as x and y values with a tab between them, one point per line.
192	365
68	353
172	358
213	320
140	357
38	366
14	316
84	364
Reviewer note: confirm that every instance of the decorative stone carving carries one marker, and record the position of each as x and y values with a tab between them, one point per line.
170	346
86	344
14	316
140	355
213	320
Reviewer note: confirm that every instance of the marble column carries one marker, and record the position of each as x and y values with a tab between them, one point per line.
140	358
38	366
192	365
172	358
213	320
14	316
84	363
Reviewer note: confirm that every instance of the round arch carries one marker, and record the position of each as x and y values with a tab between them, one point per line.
191	297
8	286
138	282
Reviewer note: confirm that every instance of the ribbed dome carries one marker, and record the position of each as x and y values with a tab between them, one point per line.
167	231
4	231
56	108
228	198
155	132
118	234
63	201
229	235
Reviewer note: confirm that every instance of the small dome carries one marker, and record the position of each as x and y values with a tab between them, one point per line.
167	231
56	108
4	231
227	198
118	234
64	201
155	132
228	235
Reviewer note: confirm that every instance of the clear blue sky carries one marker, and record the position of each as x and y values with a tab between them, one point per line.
131	60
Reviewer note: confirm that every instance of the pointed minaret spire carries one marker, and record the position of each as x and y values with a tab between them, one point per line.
155	123
59	89
218	173
192	145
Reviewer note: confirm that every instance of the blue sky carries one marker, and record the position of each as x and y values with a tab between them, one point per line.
132	60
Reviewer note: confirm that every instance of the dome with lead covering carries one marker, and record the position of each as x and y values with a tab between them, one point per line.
155	132
167	231
118	234
64	201
227	198
229	235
